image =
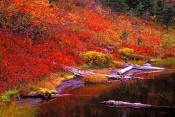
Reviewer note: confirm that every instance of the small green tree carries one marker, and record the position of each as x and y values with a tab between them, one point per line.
139	7
168	15
139	41
124	36
165	14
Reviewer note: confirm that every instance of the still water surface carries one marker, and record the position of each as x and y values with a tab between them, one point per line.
85	101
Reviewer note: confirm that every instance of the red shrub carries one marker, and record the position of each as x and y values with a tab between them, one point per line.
142	50
22	62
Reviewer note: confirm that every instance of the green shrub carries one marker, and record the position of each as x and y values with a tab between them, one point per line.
97	59
2	19
6	97
128	54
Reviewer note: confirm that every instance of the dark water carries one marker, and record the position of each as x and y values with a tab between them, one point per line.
85	101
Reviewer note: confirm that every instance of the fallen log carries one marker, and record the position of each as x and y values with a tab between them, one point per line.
124	73
43	96
121	104
131	69
146	66
34	94
77	72
123	77
59	95
114	103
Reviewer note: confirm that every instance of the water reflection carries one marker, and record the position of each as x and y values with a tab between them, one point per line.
85	101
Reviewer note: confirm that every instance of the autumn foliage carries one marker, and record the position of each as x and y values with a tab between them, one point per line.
38	36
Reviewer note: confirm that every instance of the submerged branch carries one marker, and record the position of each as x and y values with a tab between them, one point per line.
121	104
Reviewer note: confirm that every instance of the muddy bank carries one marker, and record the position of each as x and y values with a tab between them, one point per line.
70	84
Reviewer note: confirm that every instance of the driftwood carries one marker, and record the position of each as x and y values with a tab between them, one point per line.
122	71
77	72
121	104
59	95
43	96
116	74
145	67
34	94
120	74
113	103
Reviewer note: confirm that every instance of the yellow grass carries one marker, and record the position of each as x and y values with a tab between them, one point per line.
95	78
49	83
101	71
116	64
139	62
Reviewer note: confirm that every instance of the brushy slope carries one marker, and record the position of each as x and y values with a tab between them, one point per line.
36	37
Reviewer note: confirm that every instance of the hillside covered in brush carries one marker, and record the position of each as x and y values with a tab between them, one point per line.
37	37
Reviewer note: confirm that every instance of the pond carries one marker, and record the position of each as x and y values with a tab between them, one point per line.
157	89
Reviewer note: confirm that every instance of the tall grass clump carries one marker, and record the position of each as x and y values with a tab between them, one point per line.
95	78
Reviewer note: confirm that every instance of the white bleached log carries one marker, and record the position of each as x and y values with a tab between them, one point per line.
118	74
124	70
125	104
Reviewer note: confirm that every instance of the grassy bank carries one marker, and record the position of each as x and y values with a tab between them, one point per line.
9	106
168	62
